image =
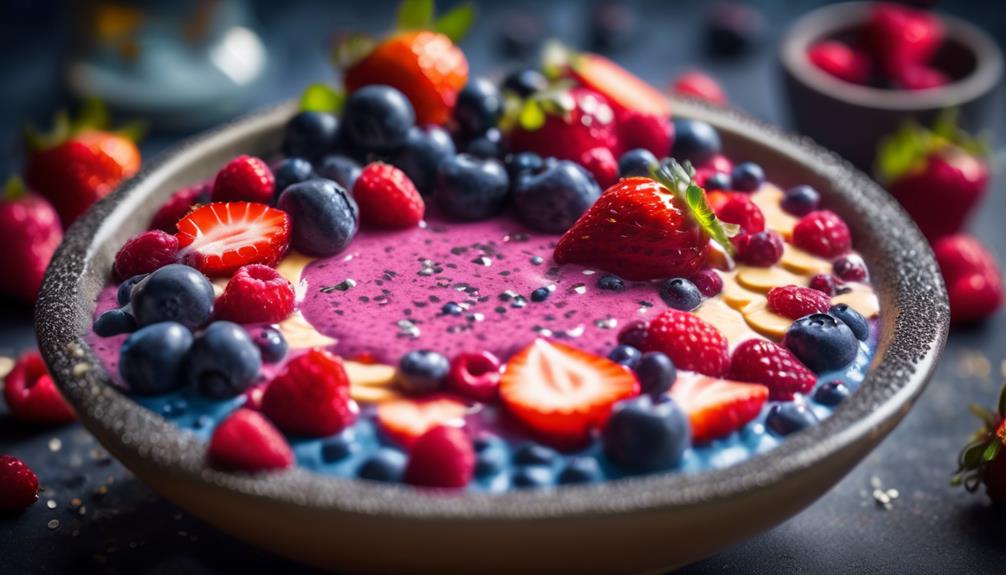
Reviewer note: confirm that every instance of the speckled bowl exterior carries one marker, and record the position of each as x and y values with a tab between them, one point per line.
851	119
630	525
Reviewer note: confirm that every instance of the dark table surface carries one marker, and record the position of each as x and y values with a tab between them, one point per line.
93	516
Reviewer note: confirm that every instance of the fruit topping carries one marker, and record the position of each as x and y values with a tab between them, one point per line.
740	210
822	342
656	372
245	178
387	197
325	217
419	157
695	141
601	164
290	171
625	355
822	233
709	282
32	396
561	123
637	162
852	318
151	359
554	198
800	200
310	396
786	418
442	457
405	420
145	253
246	441
625	90
271	343
690	342
775	367
747	177
762	249
340	169
470	188
646	433
850	268
309	134
386	465
826	284
223	361
255	294
717	407
114	322
475	375
478	108
795	302
219	238
422	371
175	293
166	218
562	393
680	294
831	393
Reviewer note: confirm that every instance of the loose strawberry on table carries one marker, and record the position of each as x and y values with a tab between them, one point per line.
18	485
31	394
30	232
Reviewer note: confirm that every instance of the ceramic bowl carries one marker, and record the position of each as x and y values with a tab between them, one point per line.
851	119
629	525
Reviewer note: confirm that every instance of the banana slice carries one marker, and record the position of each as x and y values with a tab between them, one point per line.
861	298
764	279
365	394
727	320
734	294
292	268
801	262
765	321
300	334
768	200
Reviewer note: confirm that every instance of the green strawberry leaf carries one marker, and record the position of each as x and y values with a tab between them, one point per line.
991	451
555	58
93	115
532	115
680	180
14	189
322	98
907	149
456	23
350	49
414	15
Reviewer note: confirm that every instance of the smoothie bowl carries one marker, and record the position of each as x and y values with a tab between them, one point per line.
499	366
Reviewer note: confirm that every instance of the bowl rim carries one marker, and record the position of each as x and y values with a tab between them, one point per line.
820	23
912	339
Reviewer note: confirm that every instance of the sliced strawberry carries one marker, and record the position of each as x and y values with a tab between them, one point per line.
625	90
246	441
717	407
442	457
690	342
563	393
310	396
406	419
637	230
219	238
32	396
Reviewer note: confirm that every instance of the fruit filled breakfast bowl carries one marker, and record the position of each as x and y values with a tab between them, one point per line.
560	323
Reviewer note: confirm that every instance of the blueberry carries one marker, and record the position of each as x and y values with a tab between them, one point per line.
325	217
126	288
831	393
487	146
540	294
468	188
801	200
150	361
852	318
637	162
341	169
680	294
422	371
525	82
223	361
424	149
114	322
532	477
309	134
656	373
822	342
490	455
271	344
552	200
522	163
718	181
291	171
387	465
534	454
478	107
786	418
610	282
625	355
580	470
452	308
339	447
732	28
747	177
173	409
377	118
646	434
695	141
175	292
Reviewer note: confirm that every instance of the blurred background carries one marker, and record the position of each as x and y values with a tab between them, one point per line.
186	65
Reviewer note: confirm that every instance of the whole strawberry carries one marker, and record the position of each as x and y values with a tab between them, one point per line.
939	175
971	273
79	162
563	124
903	37
982	460
30	233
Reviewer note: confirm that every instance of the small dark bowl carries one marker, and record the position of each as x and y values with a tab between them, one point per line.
629	525
851	119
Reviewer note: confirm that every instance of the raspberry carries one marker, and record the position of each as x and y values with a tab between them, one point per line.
634	334
181	203
246	441
441	457
740	210
690	342
826	284
601	163
387	197
145	253
648	131
709	282
795	302
762	361
850	268
310	396
822	233
475	375
762	249
18	484
256	294
245	178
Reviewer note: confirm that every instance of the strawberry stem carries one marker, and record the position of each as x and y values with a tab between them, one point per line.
680	180
14	189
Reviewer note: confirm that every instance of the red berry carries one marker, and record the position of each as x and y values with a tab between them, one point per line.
822	233
719	163
690	342
634	334
31	394
922	78
762	249
650	132
246	441
601	164
181	203
700	85
245	178
770	364
709	282
310	396
850	268
740	210
717	407
219	238
795	302
625	90
18	484
974	297
826	284
840	61
405	420
387	197
903	37
29	233
145	253
443	457
962	254
568	135
475	375
255	294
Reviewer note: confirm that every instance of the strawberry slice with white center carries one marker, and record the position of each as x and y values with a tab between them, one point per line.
562	393
221	237
717	407
406	420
